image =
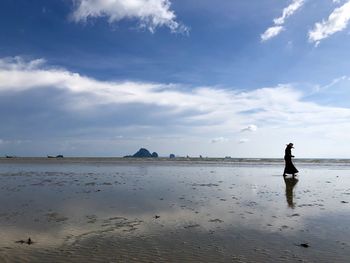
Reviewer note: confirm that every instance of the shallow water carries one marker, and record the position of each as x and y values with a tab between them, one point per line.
105	210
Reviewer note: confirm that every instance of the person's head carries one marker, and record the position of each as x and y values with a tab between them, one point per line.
290	145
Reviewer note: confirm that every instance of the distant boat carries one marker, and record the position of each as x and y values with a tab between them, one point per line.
10	156
57	156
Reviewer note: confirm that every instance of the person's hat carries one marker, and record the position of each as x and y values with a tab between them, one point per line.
290	145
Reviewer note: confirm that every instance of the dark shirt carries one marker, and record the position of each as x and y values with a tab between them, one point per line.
288	153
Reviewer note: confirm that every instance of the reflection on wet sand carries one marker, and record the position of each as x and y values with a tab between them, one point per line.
290	184
144	212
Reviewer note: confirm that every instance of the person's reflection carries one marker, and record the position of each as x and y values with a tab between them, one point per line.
290	183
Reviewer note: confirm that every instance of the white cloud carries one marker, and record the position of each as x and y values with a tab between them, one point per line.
206	110
337	21
150	13
334	82
279	21
271	32
218	140
243	141
288	11
250	128
14	141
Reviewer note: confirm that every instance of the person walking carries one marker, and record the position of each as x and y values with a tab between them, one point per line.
289	168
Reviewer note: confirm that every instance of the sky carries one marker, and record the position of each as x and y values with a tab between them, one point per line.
232	78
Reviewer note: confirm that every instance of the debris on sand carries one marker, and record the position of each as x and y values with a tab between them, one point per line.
192	226
28	241
208	185
216	220
304	245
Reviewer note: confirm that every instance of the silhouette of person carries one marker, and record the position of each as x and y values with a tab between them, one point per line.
290	183
289	168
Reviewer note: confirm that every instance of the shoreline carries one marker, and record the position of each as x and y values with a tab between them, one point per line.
178	160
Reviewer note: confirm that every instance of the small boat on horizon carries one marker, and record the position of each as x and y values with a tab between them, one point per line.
57	156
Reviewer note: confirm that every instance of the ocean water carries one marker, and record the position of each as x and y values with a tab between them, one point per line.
182	210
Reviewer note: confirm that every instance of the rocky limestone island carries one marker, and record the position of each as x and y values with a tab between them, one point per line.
171	156
143	153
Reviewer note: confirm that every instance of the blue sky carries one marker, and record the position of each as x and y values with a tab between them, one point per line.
239	78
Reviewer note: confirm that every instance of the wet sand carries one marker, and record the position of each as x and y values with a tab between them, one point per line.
106	210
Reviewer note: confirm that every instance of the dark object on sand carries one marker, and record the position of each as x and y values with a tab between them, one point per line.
28	241
171	156
304	245
143	153
289	168
344	202
156	216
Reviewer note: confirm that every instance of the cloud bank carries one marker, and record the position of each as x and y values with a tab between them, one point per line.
279	21
337	21
72	103
150	13
206	105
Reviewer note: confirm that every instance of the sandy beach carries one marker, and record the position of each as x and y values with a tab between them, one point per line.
117	210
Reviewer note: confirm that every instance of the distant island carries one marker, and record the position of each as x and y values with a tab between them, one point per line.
143	153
